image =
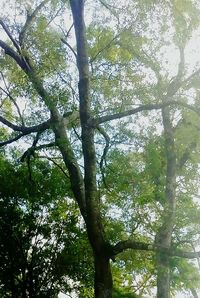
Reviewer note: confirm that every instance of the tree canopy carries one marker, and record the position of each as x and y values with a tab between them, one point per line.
100	103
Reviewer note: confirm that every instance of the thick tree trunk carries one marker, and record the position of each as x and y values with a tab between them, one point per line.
95	230
103	278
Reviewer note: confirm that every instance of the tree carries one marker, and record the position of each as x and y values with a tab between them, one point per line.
124	76
39	231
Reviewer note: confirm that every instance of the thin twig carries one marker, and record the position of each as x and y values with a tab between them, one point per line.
69	46
55	163
15	104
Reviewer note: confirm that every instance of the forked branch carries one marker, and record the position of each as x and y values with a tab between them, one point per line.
29	20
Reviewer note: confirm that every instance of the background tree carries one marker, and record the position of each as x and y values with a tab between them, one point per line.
39	232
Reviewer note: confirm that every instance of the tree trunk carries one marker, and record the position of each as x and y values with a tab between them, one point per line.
103	277
164	234
163	240
194	293
95	230
163	276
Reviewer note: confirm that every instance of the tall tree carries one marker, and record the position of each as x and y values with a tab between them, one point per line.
125	73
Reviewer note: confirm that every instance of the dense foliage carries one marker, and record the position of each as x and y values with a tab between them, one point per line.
39	232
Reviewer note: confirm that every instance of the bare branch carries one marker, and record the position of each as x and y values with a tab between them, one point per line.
9	51
22	60
52	18
31	151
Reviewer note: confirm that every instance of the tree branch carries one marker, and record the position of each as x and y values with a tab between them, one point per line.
148	107
186	155
18	59
103	157
12	140
27	130
34	148
120	115
10	35
107	46
176	82
136	245
29	20
22	60
55	163
187	81
131	244
69	46
15	104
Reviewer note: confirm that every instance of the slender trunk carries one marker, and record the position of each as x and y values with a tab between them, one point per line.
164	235
103	277
163	276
